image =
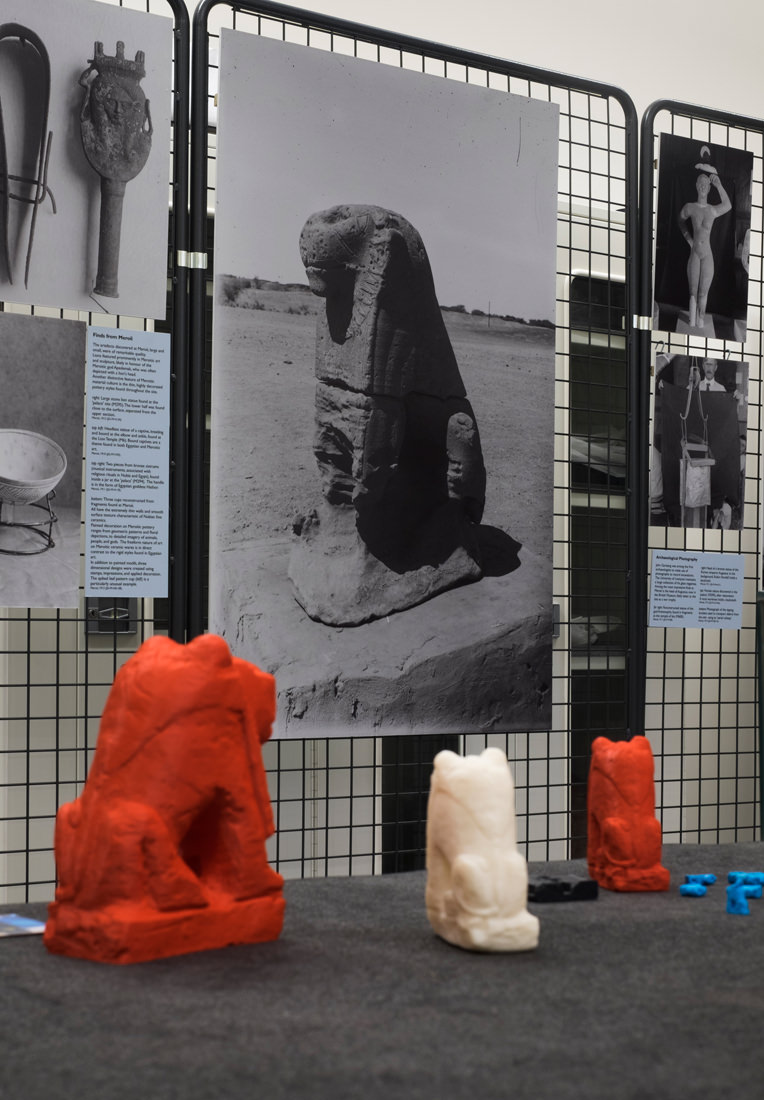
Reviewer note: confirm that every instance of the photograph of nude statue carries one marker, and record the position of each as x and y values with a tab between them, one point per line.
382	398
702	238
700	424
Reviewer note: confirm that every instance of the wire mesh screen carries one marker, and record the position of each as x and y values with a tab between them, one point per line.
358	805
54	685
57	665
701	701
347	806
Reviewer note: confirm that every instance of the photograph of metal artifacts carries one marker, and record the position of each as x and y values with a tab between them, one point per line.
116	127
24	53
31	466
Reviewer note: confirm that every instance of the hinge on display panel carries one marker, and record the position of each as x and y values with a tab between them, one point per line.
195	260
111	615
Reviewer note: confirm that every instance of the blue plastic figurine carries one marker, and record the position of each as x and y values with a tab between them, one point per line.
737	902
738	894
692	889
750	878
705	880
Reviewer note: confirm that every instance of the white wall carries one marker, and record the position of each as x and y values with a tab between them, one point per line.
703	52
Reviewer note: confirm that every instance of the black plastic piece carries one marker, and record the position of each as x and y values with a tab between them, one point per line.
544	888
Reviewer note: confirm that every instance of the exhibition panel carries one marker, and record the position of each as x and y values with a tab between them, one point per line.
59	650
700	680
596	145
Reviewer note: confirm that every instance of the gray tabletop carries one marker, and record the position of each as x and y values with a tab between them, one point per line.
631	996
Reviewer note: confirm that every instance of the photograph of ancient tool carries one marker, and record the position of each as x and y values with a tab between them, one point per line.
116	128
25	140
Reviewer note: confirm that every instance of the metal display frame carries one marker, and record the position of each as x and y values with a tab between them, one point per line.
684	683
358	806
403	763
55	673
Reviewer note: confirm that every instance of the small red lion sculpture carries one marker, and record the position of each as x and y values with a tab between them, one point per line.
164	850
624	839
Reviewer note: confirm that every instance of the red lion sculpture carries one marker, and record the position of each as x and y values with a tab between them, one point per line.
624	841
164	851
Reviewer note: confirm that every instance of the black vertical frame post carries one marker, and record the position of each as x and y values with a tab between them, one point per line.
636	455
180	333
760	707
197	329
640	395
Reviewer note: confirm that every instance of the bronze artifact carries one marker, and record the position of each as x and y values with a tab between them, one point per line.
115	122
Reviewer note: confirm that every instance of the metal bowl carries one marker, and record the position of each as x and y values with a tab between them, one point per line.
31	466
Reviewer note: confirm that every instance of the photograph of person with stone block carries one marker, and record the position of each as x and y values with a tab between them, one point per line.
702	238
700	424
382	411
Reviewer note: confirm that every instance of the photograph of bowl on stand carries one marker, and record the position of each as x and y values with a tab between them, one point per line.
31	466
42	370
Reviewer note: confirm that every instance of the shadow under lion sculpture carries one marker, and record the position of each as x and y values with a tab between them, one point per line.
396	442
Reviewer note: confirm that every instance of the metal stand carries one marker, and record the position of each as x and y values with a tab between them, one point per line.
43	528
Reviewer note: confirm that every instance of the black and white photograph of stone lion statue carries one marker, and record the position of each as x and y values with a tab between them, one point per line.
396	443
383	406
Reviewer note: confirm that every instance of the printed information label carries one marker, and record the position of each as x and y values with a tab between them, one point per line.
128	461
696	589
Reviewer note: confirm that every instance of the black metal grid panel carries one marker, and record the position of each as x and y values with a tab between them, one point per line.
347	806
54	677
701	685
599	528
358	806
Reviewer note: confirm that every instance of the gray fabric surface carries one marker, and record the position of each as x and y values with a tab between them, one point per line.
630	997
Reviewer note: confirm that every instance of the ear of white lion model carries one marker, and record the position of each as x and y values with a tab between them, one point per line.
477	880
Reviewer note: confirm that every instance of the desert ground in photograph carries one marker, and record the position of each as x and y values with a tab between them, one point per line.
477	657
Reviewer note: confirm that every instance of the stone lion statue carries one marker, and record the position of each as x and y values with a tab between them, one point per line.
396	440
